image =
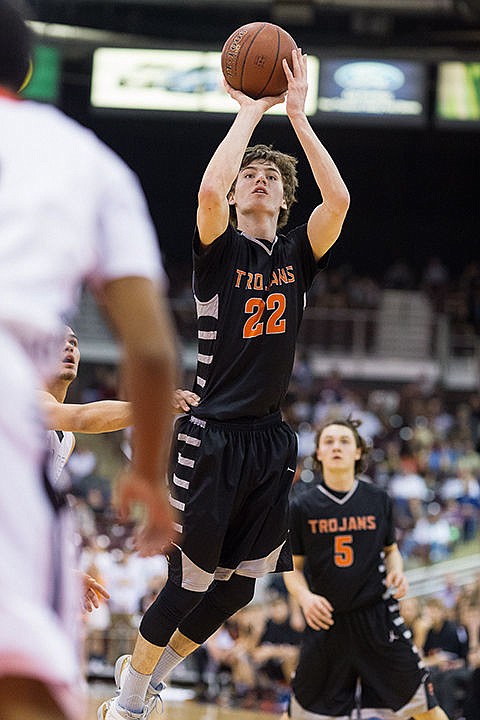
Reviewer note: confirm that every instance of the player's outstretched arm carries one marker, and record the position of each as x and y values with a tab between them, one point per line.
223	168
326	220
94	417
317	609
103	415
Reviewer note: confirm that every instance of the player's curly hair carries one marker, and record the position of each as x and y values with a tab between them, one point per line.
15	44
360	442
287	165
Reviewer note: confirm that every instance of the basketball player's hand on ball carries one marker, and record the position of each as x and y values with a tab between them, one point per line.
317	611
397	583
263	103
297	83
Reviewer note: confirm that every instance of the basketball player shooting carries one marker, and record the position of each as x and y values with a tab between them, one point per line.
233	458
342	529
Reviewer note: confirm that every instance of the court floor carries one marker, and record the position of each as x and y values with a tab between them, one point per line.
179	706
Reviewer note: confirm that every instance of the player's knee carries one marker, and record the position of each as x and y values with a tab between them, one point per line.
164	615
220	603
228	597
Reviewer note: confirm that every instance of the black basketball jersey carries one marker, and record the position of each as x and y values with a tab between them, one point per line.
250	296
343	541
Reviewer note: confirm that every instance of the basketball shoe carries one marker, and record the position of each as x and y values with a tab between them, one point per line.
109	710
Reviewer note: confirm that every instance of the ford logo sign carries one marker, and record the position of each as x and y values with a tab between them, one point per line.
369	75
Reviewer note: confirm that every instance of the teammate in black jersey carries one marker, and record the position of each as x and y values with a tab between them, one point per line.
347	578
234	458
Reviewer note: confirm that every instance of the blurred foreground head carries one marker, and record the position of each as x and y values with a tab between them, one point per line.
15	44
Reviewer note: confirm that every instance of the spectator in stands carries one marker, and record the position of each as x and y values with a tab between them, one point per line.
449	594
412	612
446	652
409	492
229	650
399	276
474	402
435	282
276	654
464	489
431	538
471	705
438	417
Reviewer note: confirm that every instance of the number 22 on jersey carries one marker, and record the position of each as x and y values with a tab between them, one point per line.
265	316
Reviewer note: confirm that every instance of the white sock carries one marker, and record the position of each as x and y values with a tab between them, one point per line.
133	690
168	660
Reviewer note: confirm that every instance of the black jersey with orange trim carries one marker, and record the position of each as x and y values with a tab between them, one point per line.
250	296
343	541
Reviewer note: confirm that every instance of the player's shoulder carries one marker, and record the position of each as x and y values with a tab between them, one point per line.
81	144
293	235
46	116
367	487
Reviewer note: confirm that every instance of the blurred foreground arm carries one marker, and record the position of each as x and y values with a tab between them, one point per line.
141	318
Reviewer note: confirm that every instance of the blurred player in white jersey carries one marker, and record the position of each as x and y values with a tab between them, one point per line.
63	419
70	211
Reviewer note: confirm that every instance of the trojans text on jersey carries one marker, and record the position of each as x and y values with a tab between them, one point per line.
256	281
333	525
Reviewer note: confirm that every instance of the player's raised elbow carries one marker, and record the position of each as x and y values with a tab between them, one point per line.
340	201
210	193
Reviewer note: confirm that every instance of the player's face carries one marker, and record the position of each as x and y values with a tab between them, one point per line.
259	187
337	449
70	356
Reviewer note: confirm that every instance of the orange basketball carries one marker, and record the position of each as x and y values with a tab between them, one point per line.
252	59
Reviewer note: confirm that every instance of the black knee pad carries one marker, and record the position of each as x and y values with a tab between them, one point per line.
166	612
220	602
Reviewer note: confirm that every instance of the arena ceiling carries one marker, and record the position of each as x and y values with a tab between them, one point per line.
418	24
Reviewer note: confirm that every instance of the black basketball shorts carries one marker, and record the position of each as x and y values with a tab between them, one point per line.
365	660
229	484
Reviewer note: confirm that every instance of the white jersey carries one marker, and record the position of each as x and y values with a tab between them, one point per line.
60	446
70	211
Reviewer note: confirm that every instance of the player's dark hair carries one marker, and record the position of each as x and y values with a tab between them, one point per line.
287	165
15	45
360	442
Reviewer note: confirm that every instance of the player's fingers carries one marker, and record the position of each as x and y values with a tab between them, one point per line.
322	605
296	57
321	617
316	624
401	589
326	605
102	591
286	68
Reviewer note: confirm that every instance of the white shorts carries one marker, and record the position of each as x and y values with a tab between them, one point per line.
39	597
